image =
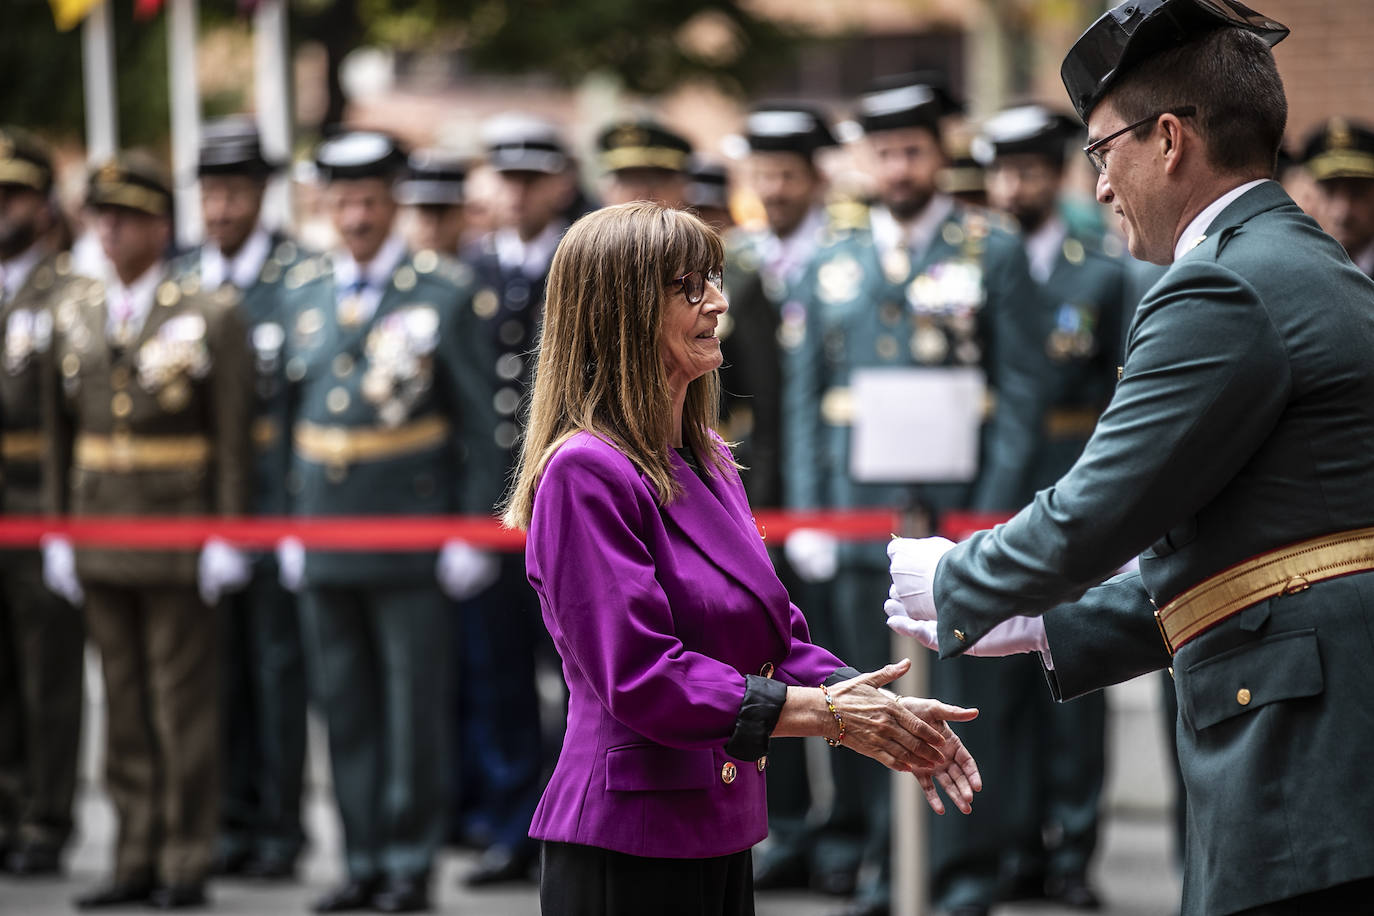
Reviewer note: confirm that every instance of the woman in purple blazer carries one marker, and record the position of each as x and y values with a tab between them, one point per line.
681	650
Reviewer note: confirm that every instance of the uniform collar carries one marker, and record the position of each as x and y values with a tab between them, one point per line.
916	234
138	293
1196	230
530	258
377	273
1364	260
243	269
1043	245
17	269
786	257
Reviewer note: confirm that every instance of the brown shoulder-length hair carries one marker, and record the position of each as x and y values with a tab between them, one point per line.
600	368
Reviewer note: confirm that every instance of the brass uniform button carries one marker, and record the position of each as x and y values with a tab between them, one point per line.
343	365
337	400
121	405
71	365
119	377
959	635
1243	696
762	763
728	773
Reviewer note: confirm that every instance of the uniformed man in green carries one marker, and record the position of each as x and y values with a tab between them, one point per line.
148	414
391	416
263	701
40	633
433	192
922	306
1059	762
643	160
1234	458
1339	155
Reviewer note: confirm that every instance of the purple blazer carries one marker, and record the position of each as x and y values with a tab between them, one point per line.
658	614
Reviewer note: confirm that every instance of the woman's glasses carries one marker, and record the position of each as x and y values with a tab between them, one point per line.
694	284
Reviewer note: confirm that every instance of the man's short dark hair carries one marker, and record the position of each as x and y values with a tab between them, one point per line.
1230	75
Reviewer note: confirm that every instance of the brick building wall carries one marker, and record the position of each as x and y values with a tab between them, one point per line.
1327	63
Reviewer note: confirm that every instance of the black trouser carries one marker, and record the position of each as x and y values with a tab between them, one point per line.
1354	898
580	880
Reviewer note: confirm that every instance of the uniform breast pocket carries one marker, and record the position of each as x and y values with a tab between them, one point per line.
1286	666
654	768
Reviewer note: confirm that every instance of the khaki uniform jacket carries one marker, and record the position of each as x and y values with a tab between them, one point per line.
158	428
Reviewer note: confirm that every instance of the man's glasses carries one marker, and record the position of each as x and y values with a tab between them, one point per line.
694	284
1098	156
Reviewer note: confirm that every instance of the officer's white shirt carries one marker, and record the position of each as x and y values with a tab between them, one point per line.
530	258
16	271
787	257
1364	260
915	235
243	269
1197	229
376	274
138	295
1043	246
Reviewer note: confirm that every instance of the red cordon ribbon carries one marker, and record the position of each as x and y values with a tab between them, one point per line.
371	533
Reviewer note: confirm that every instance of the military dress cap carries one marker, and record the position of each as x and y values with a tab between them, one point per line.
963	175
642	143
787	129
1138	29
134	181
24	161
1032	129
433	177
232	146
708	184
908	100
1340	149
359	154
524	143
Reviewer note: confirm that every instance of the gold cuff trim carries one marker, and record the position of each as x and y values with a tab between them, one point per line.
1285	571
24	446
342	445
140	453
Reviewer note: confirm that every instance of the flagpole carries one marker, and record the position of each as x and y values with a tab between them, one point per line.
272	82
98	77
182	33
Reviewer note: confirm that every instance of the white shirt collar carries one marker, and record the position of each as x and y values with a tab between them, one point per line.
1196	230
243	269
1364	260
915	235
376	276
138	293
531	258
1042	247
17	269
787	257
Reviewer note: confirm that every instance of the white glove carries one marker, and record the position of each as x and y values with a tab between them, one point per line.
912	562
464	571
1010	637
59	569
222	568
290	564
814	554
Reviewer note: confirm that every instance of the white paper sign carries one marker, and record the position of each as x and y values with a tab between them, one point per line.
916	425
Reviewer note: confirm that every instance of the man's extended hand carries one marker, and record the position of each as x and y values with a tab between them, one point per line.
958	776
912	562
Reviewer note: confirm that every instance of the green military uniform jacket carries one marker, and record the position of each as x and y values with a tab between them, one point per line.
1088	308
393	415
968	302
1244	421
262	311
26	335
159	427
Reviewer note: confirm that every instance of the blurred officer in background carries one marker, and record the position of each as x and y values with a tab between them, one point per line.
931	304
263	700
1340	157
151	416
433	190
500	771
1053	754
643	160
708	193
40	633
392	415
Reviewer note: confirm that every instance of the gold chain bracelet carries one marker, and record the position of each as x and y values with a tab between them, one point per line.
837	741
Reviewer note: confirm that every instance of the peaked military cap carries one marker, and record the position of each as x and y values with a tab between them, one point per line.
232	146
1139	29
523	143
787	129
359	154
433	176
1031	129
24	161
963	175
1340	149
908	100
134	181
642	143
708	184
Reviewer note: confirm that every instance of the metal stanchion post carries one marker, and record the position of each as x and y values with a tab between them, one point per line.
908	818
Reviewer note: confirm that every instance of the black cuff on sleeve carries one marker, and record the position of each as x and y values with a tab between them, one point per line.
842	674
758	716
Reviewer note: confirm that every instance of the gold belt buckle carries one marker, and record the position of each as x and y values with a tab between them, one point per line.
1159	622
122	452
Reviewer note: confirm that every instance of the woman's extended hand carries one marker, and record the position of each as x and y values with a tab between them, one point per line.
958	776
899	735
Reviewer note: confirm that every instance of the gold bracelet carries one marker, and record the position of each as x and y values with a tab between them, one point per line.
837	741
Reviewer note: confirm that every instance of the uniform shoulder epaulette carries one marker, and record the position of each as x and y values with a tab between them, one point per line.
307	271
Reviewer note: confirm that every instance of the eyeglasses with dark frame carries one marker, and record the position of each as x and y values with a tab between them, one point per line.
1098	157
694	283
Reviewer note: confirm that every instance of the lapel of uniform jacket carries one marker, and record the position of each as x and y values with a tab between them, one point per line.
1253	202
716	518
